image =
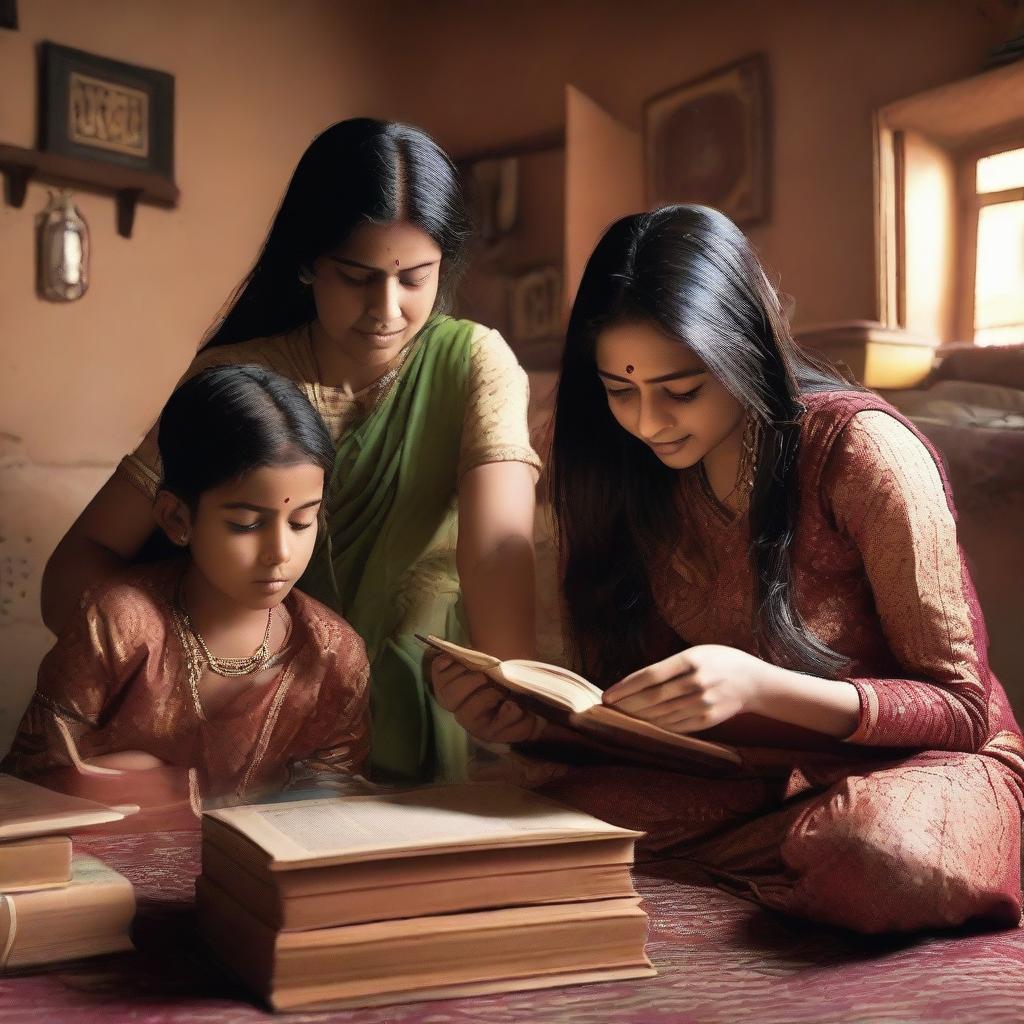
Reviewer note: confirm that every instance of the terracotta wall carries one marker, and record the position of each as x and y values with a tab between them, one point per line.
489	73
255	80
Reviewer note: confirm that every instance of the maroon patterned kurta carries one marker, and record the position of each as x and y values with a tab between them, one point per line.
912	821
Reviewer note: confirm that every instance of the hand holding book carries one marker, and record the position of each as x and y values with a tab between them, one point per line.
483	709
560	696
692	690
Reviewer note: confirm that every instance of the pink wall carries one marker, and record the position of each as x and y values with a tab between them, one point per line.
483	74
255	80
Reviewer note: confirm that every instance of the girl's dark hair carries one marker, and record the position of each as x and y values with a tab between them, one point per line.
228	420
690	272
356	172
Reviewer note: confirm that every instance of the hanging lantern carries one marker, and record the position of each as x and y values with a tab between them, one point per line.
63	250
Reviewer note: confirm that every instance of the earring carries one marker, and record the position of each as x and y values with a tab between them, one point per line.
748	460
183	539
305	276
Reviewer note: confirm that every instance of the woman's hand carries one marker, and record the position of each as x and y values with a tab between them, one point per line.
693	690
484	710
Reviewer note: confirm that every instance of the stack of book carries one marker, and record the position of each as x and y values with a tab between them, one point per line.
55	904
435	893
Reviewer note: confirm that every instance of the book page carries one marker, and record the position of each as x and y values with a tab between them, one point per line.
435	820
551	683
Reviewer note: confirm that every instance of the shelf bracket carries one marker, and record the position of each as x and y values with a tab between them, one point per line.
16	179
127	198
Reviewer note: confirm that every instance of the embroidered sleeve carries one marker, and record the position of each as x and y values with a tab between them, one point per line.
495	426
97	652
887	495
336	740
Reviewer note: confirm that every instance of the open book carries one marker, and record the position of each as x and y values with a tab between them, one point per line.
570	700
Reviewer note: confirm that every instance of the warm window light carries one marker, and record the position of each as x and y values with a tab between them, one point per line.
999	256
999	278
1001	171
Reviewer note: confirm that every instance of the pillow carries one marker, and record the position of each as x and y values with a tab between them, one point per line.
994	364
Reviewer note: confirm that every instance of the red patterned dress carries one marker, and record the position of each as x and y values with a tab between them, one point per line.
913	821
122	677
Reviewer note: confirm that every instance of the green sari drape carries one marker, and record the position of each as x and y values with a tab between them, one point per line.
387	562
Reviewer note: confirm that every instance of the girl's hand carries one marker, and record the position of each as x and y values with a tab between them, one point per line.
694	689
484	710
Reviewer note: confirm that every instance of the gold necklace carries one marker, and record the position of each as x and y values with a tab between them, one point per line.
381	386
231	666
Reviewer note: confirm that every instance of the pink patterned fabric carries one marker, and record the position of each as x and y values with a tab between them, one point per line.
878	576
912	822
720	960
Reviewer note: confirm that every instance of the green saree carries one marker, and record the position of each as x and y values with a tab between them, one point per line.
387	562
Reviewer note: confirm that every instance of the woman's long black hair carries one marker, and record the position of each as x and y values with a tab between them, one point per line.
229	420
356	172
690	272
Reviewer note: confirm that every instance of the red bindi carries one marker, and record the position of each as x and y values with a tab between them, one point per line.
397	263
630	368
286	500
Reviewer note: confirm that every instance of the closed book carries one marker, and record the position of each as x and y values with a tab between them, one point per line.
413	959
29	810
89	916
43	862
344	860
423	885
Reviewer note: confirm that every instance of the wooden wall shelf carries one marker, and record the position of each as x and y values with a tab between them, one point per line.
128	186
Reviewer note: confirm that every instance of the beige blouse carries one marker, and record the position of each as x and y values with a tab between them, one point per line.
494	423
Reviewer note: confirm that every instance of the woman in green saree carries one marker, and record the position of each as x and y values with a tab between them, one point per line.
430	505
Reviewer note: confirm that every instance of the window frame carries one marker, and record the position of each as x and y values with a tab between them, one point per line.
971	203
955	122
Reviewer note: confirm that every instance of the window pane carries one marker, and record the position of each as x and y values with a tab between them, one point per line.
999	278
1003	170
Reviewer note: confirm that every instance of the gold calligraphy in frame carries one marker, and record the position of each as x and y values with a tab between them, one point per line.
106	115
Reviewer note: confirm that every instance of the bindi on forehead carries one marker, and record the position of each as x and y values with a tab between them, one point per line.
630	368
286	500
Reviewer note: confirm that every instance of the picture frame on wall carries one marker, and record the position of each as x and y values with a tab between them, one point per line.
9	14
708	141
101	109
535	306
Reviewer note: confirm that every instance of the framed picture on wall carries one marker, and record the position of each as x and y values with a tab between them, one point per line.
106	110
535	306
707	141
9	14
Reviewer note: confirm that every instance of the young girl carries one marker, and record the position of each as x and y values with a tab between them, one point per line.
210	664
430	499
758	552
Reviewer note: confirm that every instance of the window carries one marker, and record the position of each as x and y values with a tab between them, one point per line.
949	177
994	215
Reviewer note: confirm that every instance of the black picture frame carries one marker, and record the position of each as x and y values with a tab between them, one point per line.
101	109
9	14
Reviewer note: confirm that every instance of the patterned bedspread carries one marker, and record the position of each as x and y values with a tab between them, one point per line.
719	960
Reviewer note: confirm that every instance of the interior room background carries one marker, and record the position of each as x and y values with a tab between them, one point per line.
257	79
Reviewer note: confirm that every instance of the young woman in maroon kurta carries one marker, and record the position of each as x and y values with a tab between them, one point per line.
761	553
